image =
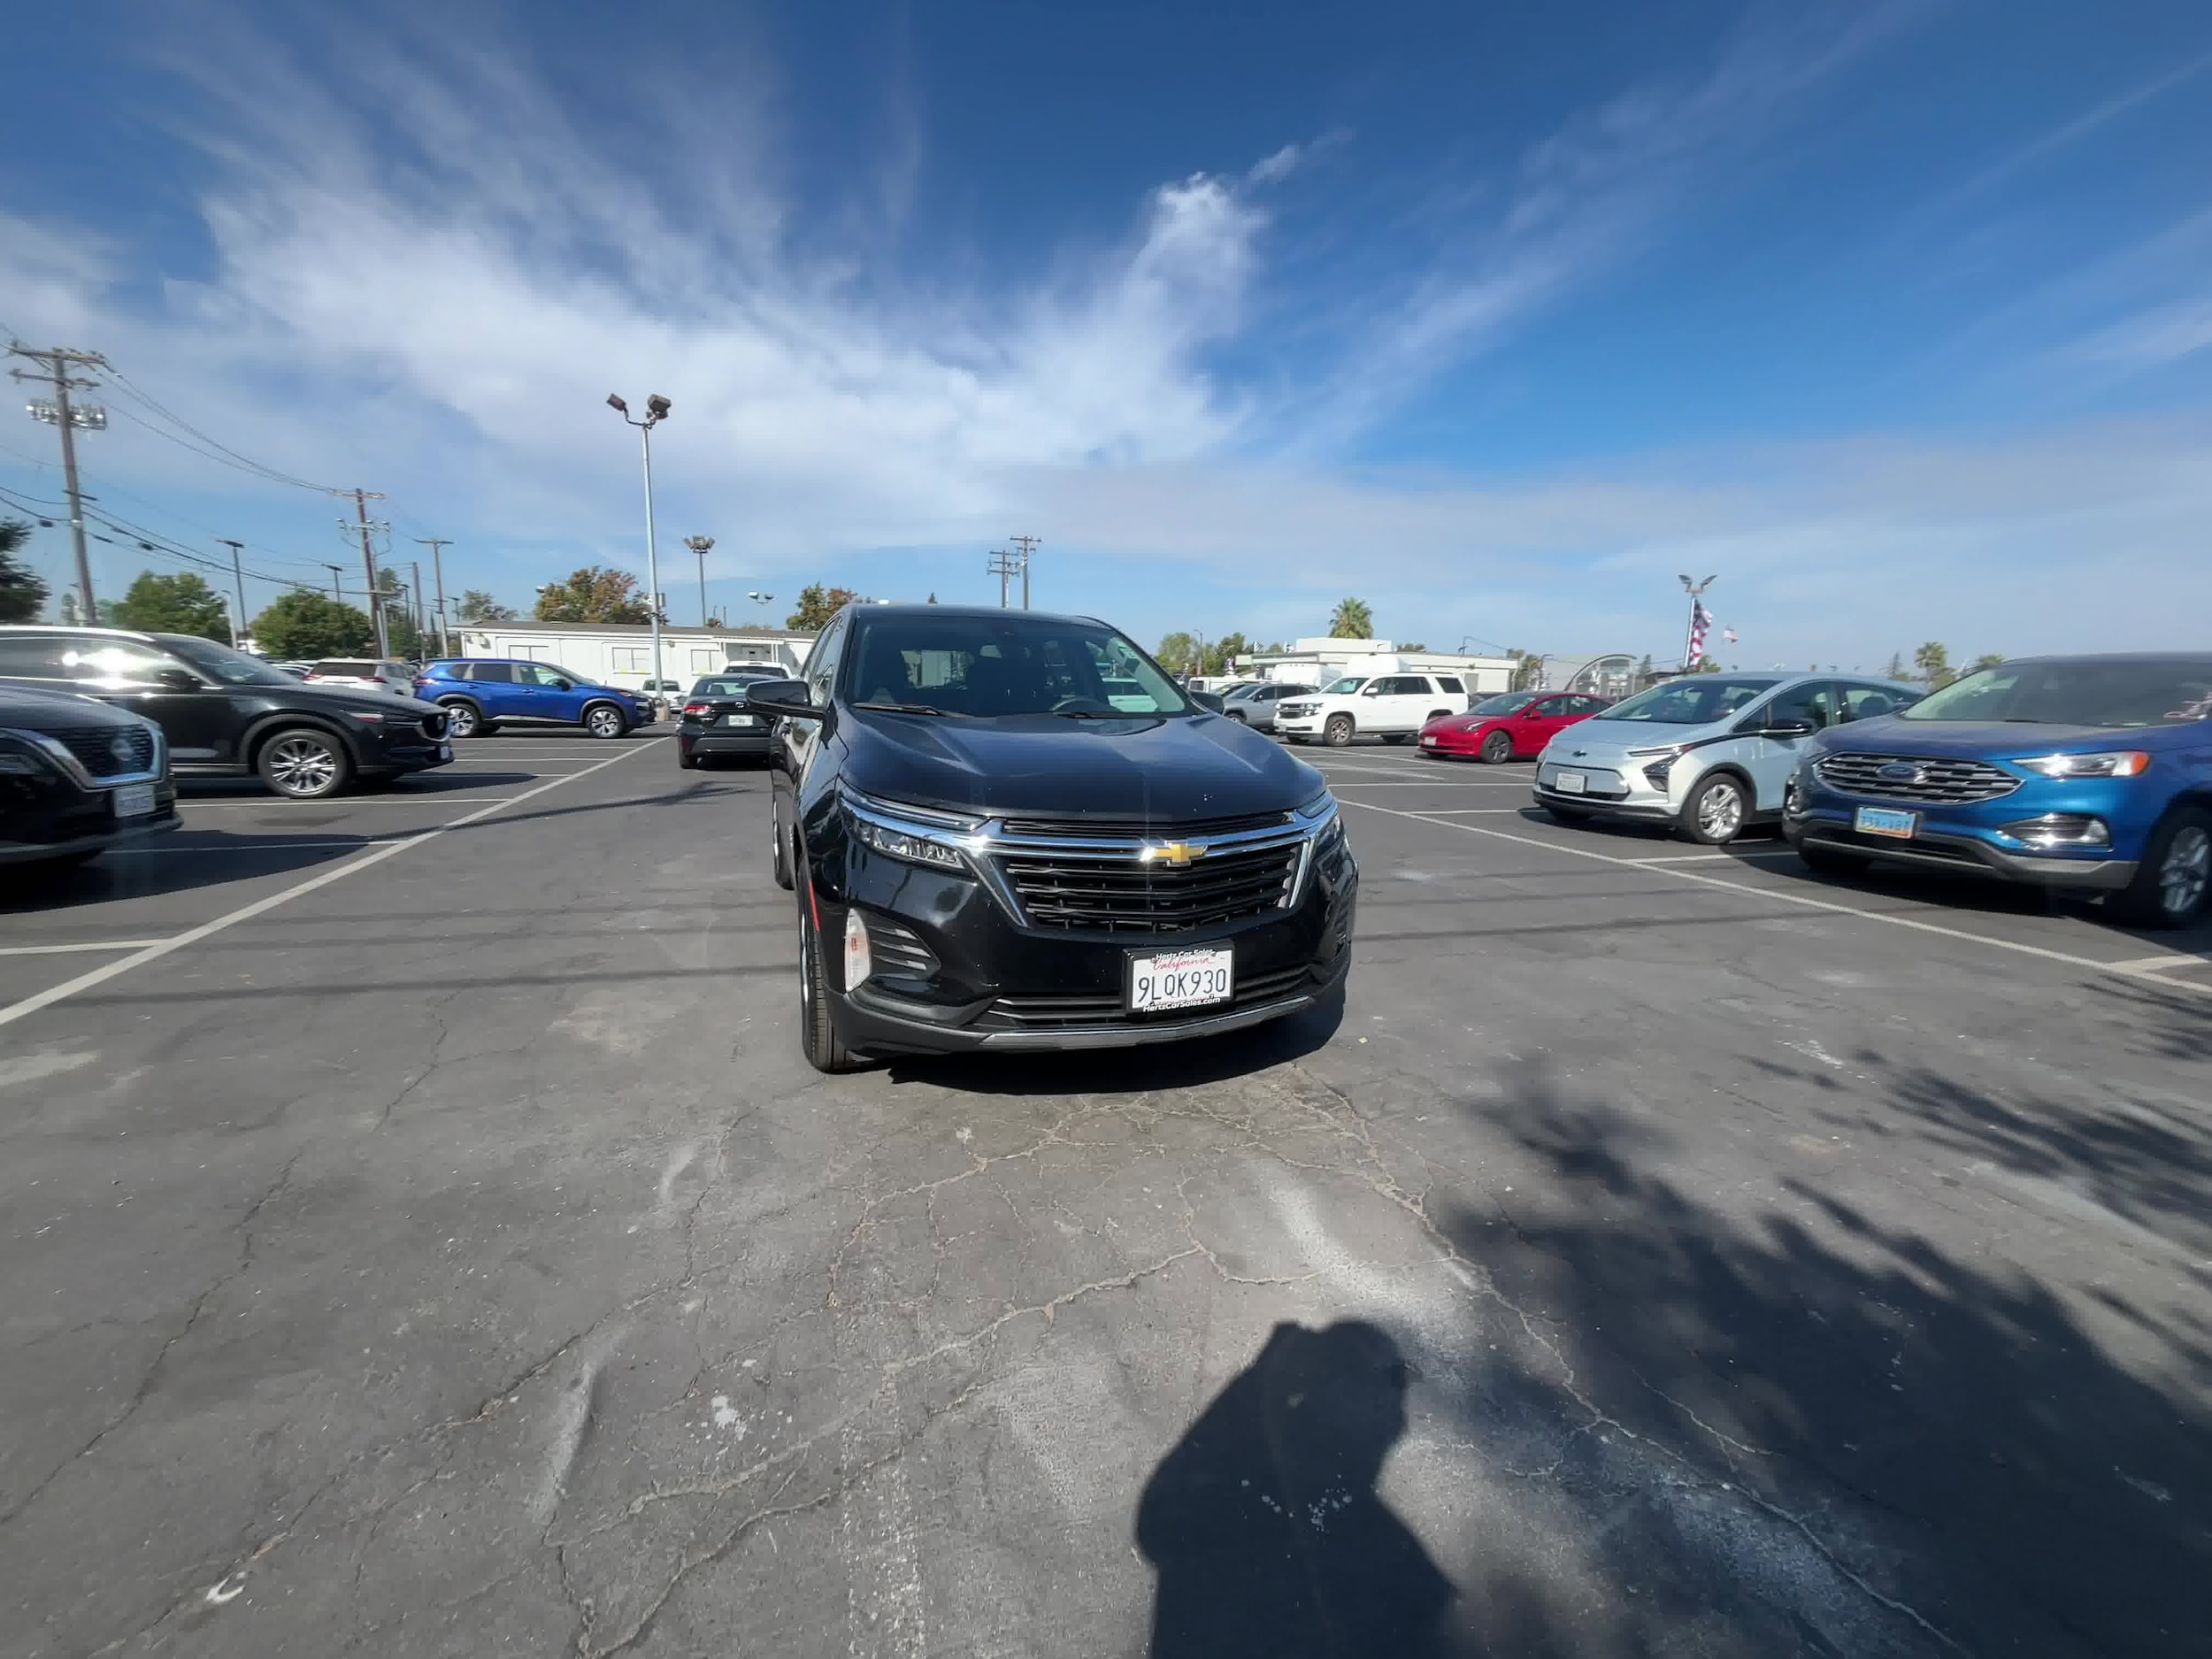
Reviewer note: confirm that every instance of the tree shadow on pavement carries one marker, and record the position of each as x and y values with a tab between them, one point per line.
1813	1432
1264	1523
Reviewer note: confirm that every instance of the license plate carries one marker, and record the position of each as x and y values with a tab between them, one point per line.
1886	820
1428	742
737	719
1181	979
1570	782
135	800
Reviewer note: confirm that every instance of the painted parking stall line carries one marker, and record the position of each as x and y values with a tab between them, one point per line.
1806	901
369	859
79	944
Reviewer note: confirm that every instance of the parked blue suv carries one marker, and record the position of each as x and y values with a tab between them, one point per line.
2088	773
481	694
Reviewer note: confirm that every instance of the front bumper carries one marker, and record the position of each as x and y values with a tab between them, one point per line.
87	826
1613	790
954	971
723	739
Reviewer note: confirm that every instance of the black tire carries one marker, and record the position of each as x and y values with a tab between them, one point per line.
2175	877
604	720
1338	733
305	762
1718	807
825	1050
1239	719
687	760
1497	749
464	719
1825	861
780	858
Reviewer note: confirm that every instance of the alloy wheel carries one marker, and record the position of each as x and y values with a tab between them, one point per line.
603	722
1720	811
460	719
302	765
2187	868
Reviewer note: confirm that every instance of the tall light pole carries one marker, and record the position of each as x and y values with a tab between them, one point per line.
701	545
764	601
1690	641
657	408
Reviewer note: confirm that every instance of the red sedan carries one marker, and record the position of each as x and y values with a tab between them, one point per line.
1509	727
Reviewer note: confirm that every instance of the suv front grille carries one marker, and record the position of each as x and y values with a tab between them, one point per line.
95	748
1059	891
1940	782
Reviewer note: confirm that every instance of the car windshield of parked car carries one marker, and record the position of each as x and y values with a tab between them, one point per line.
1505	703
1345	686
724	685
230	667
992	666
1693	700
2146	691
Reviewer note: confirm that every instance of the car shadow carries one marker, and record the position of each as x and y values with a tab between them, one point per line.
1164	1065
190	789
179	863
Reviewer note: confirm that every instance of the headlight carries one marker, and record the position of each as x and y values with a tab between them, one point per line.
1319	817
1664	751
916	834
2119	763
22	756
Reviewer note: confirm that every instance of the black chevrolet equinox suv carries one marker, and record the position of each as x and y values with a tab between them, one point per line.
226	714
1012	831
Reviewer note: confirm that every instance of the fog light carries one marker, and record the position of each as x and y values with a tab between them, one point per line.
2055	830
857	965
1656	773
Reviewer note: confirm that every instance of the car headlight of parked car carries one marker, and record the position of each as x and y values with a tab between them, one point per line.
1320	818
1660	761
2119	763
919	836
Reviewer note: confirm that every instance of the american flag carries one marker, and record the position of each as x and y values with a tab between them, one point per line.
1700	619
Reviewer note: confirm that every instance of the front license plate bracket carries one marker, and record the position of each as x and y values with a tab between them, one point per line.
1159	981
1886	820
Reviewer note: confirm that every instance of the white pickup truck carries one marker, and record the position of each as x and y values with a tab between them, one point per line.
1392	707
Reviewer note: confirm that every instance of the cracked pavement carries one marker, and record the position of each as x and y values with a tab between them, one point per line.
460	1259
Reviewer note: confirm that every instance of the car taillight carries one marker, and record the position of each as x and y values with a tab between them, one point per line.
698	708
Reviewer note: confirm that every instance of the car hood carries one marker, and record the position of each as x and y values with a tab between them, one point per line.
345	699
1607	742
1165	768
1980	740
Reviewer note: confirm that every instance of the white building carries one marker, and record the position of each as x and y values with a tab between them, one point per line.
622	653
1316	662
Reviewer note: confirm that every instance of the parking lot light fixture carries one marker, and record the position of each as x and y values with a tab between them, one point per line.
656	410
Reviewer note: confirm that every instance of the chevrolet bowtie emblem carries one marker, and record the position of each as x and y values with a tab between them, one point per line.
1181	854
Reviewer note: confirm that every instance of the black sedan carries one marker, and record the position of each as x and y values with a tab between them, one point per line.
716	721
77	778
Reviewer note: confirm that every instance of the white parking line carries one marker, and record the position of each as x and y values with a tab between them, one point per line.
251	847
89	944
1802	901
2161	965
348	803
375	856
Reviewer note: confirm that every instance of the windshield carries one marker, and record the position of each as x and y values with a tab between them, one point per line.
1345	686
724	686
2141	691
232	668
1505	703
1693	700
994	666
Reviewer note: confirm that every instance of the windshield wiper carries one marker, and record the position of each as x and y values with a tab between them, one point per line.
908	708
1100	714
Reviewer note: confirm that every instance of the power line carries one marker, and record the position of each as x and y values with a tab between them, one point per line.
222	452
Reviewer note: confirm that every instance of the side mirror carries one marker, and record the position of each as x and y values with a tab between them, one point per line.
780	696
1369	691
1207	700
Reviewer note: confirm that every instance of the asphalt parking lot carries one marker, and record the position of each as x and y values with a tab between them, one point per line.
423	1236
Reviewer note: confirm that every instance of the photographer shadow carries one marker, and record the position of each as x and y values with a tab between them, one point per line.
1263	1523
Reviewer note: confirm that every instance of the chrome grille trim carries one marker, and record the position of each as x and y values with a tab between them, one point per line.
1937	780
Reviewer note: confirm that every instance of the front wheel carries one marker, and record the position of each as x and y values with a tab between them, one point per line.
464	719
687	760
2170	883
1497	749
603	719
780	856
825	1050
1714	815
304	764
1338	733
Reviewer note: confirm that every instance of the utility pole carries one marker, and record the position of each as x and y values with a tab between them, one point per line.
437	544
1028	545
55	364
1003	565
701	545
238	577
363	524
421	622
334	570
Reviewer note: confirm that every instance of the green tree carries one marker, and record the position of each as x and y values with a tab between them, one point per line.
933	595
477	607
1933	662
306	624
594	594
1416	645
1988	659
1178	653
1527	668
1351	621
174	605
817	605
22	591
1221	656
1896	669
1644	671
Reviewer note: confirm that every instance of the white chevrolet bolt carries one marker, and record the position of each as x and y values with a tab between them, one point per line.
1706	754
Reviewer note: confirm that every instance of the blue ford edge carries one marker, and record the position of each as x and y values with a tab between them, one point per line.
2085	772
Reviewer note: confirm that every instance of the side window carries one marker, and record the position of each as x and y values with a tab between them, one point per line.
31	657
1405	685
1451	684
493	674
1870	702
821	662
1814	705
1544	708
111	663
1588	705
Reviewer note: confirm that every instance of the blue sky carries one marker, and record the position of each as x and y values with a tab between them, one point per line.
1898	318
